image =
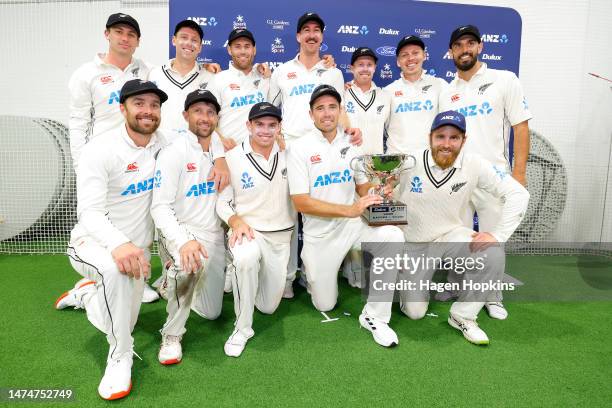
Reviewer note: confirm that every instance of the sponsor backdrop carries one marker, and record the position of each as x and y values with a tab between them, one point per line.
378	24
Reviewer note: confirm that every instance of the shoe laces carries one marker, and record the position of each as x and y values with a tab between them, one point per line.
169	340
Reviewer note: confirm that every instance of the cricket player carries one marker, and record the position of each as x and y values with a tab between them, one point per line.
239	87
414	98
436	192
258	210
95	91
191	238
182	74
110	243
322	186
493	103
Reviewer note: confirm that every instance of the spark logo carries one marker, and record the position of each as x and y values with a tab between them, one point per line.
246	100
334	177
114	97
302	89
208	187
415	106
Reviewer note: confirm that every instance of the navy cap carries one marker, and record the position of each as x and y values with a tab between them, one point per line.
262	109
201	95
324	90
306	17
138	87
363	52
407	40
464	30
122	18
240	32
451	118
189	24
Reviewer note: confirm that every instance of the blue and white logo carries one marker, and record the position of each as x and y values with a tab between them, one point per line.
475	110
386	51
353	29
364	30
495	38
114	97
250	99
142	186
158	179
302	89
415	106
417	185
323	47
247	181
201	189
432	72
204	21
485	109
334	177
350	107
501	173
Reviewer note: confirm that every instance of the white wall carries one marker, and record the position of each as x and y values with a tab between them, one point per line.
562	41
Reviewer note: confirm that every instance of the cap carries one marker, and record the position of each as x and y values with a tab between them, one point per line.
261	109
306	17
190	24
121	18
451	118
201	95
240	32
324	90
363	52
407	40
138	87
464	30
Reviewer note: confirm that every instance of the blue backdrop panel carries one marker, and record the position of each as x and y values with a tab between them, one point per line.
378	24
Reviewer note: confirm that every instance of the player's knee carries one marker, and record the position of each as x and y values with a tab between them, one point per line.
268	308
324	304
246	255
414	310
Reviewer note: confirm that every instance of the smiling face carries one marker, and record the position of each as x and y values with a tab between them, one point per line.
446	143
310	38
202	119
325	112
122	39
465	52
187	43
410	60
263	131
363	70
142	113
242	52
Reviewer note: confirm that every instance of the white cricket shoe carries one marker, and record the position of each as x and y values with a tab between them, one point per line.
74	297
496	310
228	283
149	295
469	328
235	344
288	292
170	351
382	333
117	380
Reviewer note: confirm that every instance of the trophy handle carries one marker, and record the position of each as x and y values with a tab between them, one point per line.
407	158
353	165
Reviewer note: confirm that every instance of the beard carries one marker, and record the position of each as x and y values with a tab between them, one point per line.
444	161
467	65
132	123
239	65
202	133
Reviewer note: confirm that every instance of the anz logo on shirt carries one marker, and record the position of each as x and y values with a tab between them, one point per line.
114	97
247	181
302	89
334	177
250	99
416	185
144	185
201	189
475	110
350	107
415	106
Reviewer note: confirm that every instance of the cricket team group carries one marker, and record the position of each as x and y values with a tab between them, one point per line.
219	165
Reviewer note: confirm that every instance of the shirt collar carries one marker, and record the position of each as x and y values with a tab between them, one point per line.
127	139
356	89
238	72
99	61
481	71
318	65
323	139
195	68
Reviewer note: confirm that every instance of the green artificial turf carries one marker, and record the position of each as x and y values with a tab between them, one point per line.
546	354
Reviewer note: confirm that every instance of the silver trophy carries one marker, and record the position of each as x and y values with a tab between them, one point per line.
379	168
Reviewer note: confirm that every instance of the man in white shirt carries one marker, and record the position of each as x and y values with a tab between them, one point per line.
257	208
414	99
322	186
191	238
95	87
182	74
239	87
110	243
493	103
436	192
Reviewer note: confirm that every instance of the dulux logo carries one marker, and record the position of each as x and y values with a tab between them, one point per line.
475	110
208	187
204	21
415	106
302	89
246	100
334	177
386	51
492	57
388	31
353	29
347	49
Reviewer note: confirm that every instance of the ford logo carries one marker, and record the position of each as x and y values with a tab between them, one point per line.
386	51
323	47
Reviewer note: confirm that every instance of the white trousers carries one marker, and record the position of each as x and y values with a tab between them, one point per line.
114	305
414	303
323	256
201	292
259	273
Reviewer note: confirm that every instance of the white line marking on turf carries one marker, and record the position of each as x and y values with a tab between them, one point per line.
327	319
432	315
